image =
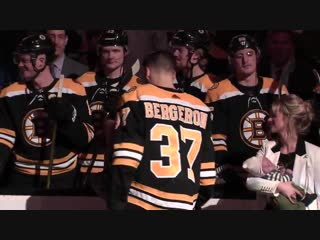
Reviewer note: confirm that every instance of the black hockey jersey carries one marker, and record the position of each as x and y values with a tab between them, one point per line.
102	96
239	113
163	152
197	86
21	106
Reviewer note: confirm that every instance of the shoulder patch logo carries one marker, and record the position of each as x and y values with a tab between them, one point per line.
52	95
140	81
214	86
132	89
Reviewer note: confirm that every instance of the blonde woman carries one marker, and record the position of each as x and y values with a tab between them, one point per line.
287	168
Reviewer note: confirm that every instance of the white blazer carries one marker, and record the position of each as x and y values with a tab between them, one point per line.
306	170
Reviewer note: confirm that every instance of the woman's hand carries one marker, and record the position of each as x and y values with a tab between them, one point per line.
289	191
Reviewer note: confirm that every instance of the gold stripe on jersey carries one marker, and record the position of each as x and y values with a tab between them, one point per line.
85	160
7	143
208	165
87	79
219	137
7	137
13	90
147	89
131	146
133	82
126	162
224	86
89	156
93	169
220	148
136	201
45	162
8	132
207	181
204	83
90	131
69	87
272	86
226	89
219	142
207	173
44	172
165	195
160	201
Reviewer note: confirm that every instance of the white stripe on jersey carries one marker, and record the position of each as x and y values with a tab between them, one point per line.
210	173
230	94
16	93
64	90
97	163
161	203
124	153
238	93
174	101
55	166
10	139
89	84
200	86
219	142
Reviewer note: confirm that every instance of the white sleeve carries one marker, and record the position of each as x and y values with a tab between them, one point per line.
262	185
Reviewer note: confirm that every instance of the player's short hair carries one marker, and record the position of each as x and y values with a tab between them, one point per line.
160	60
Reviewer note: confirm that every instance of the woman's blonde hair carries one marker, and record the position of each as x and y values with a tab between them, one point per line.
300	113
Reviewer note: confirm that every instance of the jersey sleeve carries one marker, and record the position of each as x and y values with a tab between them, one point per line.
7	136
80	132
207	169
219	127
128	149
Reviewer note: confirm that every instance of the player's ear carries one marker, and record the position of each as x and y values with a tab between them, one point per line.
148	73
196	56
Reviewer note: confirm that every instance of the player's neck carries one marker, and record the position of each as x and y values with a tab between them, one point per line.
113	73
44	79
248	81
163	81
197	71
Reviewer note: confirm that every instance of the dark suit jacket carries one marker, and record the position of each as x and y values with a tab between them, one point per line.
73	69
301	81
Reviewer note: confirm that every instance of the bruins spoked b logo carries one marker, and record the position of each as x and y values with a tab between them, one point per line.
251	128
37	128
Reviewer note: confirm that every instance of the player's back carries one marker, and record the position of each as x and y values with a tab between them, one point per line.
174	126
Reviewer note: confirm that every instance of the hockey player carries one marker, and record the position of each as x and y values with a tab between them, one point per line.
163	155
240	105
103	88
190	49
30	109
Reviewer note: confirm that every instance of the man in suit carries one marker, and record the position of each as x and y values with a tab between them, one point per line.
283	64
62	63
